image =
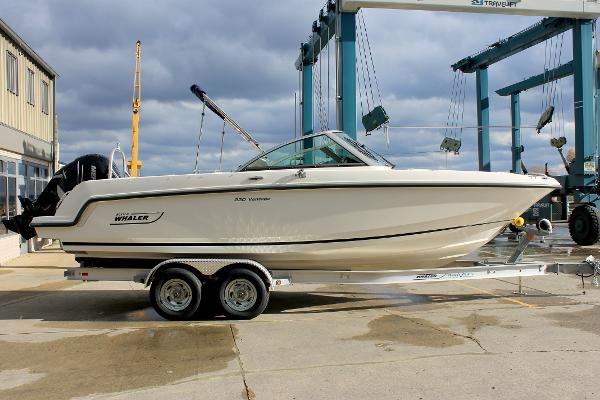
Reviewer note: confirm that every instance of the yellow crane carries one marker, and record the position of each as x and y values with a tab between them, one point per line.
135	165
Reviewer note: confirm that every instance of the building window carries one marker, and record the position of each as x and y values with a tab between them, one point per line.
8	191
22	179
12	73
45	97
31	182
36	180
11	168
2	195
12	196
30	87
3	202
28	180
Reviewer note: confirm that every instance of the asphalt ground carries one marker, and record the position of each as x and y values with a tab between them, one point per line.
446	340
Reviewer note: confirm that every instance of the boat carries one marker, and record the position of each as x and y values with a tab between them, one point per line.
322	201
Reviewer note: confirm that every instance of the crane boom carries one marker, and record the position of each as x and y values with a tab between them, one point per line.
135	164
589	9
537	33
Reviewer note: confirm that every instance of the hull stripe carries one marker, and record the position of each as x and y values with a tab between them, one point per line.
171	244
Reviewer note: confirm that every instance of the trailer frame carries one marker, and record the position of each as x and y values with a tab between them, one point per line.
232	281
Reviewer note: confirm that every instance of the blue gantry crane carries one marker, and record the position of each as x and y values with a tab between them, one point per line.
337	21
480	62
581	178
514	91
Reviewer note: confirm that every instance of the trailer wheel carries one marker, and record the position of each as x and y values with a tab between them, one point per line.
584	225
175	294
243	294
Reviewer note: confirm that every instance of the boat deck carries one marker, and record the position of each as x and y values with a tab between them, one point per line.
469	339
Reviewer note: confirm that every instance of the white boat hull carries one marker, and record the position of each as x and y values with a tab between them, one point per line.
360	218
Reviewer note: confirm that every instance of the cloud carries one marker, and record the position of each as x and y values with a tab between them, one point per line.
242	53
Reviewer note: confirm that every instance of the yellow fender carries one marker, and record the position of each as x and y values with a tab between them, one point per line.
518	222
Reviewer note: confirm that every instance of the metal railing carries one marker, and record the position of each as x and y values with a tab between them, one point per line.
112	170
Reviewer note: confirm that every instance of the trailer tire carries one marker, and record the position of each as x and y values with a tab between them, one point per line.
243	294
514	229
176	294
584	225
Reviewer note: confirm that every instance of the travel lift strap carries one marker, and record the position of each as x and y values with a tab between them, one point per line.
201	94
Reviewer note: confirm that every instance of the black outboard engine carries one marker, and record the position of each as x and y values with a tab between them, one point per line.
86	168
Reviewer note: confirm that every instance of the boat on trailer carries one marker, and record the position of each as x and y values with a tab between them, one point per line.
320	202
321	208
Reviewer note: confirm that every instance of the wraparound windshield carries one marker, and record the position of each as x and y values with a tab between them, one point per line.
324	150
364	150
305	153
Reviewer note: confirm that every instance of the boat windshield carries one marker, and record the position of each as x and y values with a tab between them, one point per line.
364	150
316	151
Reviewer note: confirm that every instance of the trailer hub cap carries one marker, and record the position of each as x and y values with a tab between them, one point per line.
240	295
175	294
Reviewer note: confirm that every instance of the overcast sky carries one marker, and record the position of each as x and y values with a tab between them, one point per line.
242	53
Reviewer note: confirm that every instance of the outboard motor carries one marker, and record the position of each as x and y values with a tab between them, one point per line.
86	168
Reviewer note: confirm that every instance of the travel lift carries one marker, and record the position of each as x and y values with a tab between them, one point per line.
338	21
581	178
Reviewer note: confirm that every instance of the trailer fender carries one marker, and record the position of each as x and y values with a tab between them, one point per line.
209	267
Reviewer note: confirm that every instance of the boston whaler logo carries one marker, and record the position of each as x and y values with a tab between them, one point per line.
496	3
126	218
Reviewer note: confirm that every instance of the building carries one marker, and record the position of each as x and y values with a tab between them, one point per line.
28	139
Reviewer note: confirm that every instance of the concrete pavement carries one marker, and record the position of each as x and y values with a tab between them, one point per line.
454	340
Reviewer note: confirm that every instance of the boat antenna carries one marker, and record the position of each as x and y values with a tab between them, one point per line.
201	94
222	144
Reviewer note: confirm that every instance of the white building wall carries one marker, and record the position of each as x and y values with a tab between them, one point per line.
9	247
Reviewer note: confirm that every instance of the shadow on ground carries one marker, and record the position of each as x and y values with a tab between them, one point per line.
134	305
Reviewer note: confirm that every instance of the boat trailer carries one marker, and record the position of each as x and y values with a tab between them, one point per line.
241	287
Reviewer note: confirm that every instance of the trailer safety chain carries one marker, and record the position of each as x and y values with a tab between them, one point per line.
596	265
594	275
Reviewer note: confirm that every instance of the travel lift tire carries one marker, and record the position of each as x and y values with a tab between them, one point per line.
176	293
514	229
517	225
242	294
584	225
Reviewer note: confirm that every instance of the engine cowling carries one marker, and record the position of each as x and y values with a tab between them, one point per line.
84	168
